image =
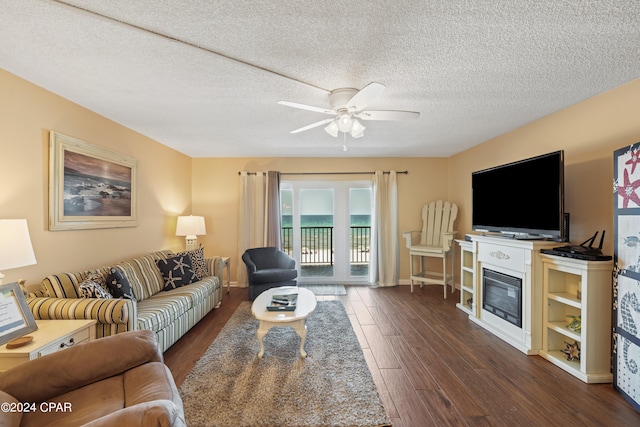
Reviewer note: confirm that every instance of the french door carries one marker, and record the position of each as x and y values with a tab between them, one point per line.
326	228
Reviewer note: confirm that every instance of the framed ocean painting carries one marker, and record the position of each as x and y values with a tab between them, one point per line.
89	186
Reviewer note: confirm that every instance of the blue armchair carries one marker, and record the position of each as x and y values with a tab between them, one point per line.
268	268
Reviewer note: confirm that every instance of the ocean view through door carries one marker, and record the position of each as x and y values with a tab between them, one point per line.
325	228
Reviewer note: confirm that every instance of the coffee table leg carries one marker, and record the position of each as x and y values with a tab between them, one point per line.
301	330
262	331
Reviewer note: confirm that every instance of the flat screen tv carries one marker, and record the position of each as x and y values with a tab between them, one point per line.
523	199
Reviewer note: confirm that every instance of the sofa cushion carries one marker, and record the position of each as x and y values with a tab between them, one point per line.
165	253
143	275
271	275
63	285
198	291
94	286
148	382
198	261
155	413
84	404
177	271
160	311
119	284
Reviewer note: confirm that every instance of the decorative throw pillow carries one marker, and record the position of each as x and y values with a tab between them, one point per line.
119	285
92	289
177	271
198	262
98	278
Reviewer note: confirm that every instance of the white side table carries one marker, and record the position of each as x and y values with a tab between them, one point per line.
51	336
226	266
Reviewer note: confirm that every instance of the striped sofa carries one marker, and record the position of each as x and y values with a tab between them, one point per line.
170	314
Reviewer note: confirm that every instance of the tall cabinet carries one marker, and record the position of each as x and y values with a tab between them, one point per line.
576	317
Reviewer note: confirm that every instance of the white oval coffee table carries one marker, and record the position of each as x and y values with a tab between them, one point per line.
296	319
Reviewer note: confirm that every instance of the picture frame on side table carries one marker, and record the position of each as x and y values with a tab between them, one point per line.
90	186
16	319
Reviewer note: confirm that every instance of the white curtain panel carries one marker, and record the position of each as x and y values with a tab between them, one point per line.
259	214
384	264
252	208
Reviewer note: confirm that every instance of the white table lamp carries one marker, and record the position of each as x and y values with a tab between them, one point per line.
15	245
191	227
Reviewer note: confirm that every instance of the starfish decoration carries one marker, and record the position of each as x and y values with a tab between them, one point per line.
628	191
171	281
571	350
634	160
181	265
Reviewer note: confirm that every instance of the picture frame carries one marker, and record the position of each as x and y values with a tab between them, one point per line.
16	319
90	186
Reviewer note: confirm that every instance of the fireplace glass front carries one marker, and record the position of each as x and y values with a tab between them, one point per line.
502	296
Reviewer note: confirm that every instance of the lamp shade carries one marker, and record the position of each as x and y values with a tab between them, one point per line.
191	226
357	130
332	129
15	244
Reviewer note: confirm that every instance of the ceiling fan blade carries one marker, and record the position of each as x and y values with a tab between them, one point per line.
312	125
388	115
306	107
365	96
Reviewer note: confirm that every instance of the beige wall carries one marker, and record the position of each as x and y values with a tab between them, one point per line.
588	133
216	187
27	114
171	184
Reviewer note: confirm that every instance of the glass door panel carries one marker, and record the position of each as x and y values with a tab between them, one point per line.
316	232
359	231
325	228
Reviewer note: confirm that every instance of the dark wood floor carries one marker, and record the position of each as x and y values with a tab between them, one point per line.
434	367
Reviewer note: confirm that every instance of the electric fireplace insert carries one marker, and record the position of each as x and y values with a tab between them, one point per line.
502	296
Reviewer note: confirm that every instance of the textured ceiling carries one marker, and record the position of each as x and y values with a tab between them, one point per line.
204	76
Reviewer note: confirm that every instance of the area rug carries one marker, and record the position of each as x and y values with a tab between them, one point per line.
332	386
325	289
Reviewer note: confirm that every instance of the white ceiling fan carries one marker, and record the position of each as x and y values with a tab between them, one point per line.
348	105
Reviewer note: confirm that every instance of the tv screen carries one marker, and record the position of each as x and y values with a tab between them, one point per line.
524	198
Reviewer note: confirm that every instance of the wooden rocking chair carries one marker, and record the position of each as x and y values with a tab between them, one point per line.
435	241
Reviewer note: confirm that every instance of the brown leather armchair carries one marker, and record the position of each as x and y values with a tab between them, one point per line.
119	380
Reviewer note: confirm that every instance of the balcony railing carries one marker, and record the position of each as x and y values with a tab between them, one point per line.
317	244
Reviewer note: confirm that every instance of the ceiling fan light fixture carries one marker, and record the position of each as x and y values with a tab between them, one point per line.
332	129
344	122
357	130
348	105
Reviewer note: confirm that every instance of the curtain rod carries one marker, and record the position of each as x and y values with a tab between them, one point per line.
328	173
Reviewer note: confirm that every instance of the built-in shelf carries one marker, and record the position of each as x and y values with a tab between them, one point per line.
467	277
574	287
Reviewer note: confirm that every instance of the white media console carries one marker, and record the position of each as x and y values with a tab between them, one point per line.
524	297
517	259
